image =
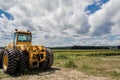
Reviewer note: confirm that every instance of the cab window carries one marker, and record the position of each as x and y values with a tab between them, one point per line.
24	38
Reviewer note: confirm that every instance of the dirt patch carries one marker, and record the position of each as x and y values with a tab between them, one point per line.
57	74
110	59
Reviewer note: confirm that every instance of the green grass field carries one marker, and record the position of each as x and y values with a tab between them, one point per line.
104	63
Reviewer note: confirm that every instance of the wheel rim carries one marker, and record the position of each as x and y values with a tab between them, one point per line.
5	62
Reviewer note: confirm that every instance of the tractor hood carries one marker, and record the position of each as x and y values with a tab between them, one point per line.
24	46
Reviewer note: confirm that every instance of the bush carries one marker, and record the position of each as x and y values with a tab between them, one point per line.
70	64
86	67
114	73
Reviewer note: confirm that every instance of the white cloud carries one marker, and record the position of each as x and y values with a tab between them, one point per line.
104	20
62	22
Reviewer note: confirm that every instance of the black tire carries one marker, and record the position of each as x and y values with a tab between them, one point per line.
1	56
50	58
23	61
11	61
42	65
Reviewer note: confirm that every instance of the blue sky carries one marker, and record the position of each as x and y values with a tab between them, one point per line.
92	22
8	15
94	7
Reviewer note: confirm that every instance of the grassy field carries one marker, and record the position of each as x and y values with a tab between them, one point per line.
101	63
105	63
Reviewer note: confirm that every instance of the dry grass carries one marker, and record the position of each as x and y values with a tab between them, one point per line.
98	63
74	65
3	75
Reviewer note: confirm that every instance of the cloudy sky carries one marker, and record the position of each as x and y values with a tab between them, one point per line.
62	22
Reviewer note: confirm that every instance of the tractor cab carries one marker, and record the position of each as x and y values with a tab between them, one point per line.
22	38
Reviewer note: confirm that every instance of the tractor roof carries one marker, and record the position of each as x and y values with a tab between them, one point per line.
24	32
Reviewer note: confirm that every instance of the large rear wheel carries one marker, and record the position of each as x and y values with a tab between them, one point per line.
50	58
9	61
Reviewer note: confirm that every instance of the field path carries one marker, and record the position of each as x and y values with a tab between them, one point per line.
57	74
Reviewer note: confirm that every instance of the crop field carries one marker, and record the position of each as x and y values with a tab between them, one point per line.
105	63
67	63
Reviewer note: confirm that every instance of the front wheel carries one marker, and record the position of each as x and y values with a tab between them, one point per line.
9	61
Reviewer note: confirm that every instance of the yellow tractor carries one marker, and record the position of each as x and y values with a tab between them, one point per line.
20	55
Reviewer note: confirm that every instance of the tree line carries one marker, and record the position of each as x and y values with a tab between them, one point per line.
87	47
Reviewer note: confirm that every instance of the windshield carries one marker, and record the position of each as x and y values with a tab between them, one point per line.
24	38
